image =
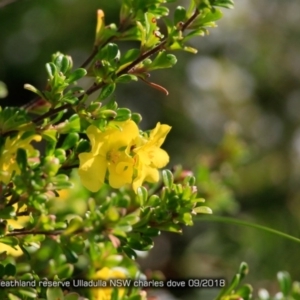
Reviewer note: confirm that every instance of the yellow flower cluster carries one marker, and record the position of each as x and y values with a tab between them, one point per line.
126	155
8	163
106	274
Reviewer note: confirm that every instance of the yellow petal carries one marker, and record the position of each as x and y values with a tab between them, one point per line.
138	181
92	171
98	140
159	158
121	173
152	174
125	135
145	173
159	133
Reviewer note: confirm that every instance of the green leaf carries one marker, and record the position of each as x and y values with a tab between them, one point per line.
51	70
58	61
123	114
224	3
142	243
9	240
126	78
113	260
168	179
151	232
55	294
29	238
10	270
152	33
60	154
70	125
206	19
130	219
163	60
12	297
191	181
131	34
72	296
33	89
66	270
71	257
110	52
115	294
296	290
61	181
28	292
285	282
7	212
202	210
112	214
170	227
50	135
245	292
120	230
142	195
107	91
197	32
77	74
234	283
129	252
3	90
159	11
129	57
154	201
70	141
65	64
243	270
106	114
13	118
185	218
83	146
77	244
136	118
22	159
25	252
179	15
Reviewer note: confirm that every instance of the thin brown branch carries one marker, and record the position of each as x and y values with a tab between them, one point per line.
90	58
18	232
190	20
126	70
34	232
51	112
4	3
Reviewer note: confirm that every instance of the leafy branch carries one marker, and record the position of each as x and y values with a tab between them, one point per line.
126	70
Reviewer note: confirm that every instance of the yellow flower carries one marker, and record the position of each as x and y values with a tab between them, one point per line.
110	152
20	223
106	274
128	157
8	162
150	157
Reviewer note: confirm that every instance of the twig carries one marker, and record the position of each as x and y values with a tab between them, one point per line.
25	232
6	2
126	70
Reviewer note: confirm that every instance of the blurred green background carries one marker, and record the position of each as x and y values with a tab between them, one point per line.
234	110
